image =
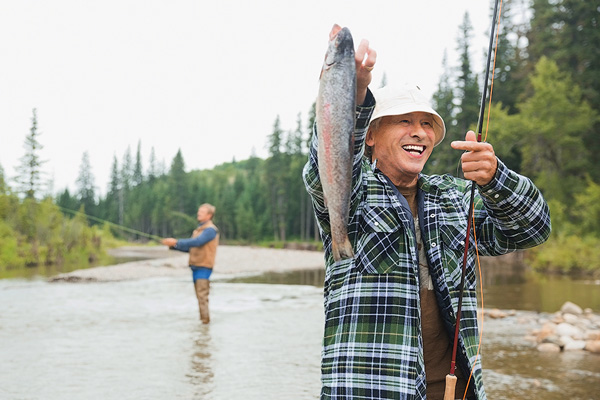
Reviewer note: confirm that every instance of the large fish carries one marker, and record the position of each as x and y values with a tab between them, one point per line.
336	105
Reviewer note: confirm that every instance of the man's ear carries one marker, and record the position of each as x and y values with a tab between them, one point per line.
370	139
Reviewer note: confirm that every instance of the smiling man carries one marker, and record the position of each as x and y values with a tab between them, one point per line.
390	311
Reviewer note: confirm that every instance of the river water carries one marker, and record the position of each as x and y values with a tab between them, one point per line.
141	340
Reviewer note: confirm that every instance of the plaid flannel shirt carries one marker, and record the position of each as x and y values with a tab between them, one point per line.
372	346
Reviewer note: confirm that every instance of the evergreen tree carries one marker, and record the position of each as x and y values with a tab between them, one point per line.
138	174
294	142
29	173
275	176
568	32
152	168
178	183
468	88
113	199
85	185
510	77
127	170
444	159
126	182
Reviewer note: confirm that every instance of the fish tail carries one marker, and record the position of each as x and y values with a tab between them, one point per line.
342	250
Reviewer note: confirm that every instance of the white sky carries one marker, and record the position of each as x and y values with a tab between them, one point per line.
207	77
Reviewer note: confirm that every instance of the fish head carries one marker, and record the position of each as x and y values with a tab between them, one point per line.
341	49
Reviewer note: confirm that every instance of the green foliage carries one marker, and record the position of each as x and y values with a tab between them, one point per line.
567	254
37	233
587	210
9	250
553	122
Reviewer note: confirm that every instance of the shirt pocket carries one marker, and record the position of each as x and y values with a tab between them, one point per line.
453	238
382	242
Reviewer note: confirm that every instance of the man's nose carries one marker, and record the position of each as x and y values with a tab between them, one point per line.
418	131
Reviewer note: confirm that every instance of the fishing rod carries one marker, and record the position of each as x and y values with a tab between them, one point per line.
121	227
451	379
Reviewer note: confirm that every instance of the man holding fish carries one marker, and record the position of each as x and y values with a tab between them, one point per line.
394	238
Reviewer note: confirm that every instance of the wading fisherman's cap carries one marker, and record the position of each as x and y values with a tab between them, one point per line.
391	100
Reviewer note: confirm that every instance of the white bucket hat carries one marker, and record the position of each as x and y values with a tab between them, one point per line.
405	99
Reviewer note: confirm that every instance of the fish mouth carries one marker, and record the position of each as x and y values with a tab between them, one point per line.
414	149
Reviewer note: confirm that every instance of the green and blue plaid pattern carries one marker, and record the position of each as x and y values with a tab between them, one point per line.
372	346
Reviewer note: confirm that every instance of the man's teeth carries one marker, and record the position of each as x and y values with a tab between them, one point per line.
414	148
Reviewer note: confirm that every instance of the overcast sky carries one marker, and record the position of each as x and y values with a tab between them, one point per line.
208	78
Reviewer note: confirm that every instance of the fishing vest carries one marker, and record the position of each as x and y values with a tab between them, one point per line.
204	256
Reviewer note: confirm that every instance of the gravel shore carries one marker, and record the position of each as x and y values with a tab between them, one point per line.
231	261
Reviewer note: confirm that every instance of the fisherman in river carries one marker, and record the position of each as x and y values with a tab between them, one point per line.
202	247
390	305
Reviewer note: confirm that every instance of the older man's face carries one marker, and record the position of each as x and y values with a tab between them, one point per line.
203	214
402	144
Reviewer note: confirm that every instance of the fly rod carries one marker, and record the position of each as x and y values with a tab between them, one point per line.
451	377
121	227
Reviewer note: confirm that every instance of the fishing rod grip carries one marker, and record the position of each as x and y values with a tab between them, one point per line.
450	387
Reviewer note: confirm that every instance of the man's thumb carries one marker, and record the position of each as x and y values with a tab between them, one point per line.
471	137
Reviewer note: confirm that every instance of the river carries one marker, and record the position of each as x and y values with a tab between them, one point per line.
140	339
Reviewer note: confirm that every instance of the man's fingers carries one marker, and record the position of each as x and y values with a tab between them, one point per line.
467	146
470	136
361	50
370	60
365	56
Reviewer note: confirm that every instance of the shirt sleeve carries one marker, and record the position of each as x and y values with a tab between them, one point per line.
206	236
518	215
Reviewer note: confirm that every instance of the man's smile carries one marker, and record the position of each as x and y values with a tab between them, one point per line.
414	149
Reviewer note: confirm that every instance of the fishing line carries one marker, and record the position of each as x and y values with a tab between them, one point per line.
123	228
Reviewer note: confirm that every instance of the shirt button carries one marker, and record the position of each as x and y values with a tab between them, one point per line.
433	244
490	191
462	242
496	196
376	223
431	215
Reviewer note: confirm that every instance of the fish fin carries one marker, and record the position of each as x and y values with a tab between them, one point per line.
342	251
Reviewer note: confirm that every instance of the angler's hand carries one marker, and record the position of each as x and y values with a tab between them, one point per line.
479	163
169	242
365	62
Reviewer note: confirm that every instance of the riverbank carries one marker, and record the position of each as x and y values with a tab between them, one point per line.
132	331
232	261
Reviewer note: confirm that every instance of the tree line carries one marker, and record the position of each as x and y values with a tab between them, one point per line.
544	123
544	119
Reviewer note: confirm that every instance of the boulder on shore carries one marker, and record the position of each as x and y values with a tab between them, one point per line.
569	329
